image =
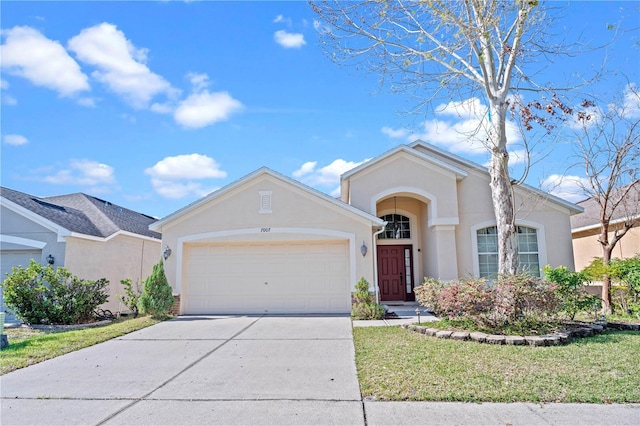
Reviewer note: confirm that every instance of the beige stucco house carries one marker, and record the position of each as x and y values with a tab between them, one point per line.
585	229
269	244
93	238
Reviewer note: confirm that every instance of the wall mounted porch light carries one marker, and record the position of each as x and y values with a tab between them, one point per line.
363	249
50	260
166	252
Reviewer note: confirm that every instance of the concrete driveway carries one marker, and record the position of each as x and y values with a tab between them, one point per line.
239	371
197	370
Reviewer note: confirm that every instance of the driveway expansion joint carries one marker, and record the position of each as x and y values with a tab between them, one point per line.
169	380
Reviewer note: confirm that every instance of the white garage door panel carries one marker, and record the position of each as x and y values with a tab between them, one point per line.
310	277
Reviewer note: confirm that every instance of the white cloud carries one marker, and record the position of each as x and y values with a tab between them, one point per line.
203	109
461	127
175	190
44	62
395	133
176	177
631	108
198	81
9	100
289	40
4	84
570	188
518	156
305	169
87	102
82	172
327	176
120	65
15	140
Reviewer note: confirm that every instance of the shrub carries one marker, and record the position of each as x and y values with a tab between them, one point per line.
131	295
570	291
625	274
512	302
365	306
524	298
157	297
428	294
41	295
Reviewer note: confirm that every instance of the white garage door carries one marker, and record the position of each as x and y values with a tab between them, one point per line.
9	259
274	278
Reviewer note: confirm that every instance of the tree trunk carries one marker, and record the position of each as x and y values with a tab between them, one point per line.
501	193
606	282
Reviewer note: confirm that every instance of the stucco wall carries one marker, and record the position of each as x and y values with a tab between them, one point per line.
476	210
405	171
118	258
586	246
235	216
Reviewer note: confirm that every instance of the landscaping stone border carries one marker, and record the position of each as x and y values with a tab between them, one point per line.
68	327
576	331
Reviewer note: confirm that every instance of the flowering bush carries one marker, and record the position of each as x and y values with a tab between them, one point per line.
472	298
520	300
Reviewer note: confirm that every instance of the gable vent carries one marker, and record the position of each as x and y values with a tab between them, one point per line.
265	202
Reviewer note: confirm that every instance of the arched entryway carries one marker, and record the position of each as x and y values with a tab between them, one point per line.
399	252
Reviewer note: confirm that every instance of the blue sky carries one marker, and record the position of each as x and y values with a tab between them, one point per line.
152	105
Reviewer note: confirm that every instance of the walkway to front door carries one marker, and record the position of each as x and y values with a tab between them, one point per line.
395	273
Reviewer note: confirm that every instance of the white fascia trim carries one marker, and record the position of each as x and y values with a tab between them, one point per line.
260	231
115	234
28	214
22	241
460	173
157	226
597	225
542	242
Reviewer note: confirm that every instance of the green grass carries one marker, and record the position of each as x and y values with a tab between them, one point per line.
28	346
400	365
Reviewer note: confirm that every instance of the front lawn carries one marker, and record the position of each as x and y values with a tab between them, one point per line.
28	346
397	364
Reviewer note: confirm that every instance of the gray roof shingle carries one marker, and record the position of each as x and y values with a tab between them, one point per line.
591	216
84	214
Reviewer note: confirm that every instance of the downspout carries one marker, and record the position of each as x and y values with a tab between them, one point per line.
375	261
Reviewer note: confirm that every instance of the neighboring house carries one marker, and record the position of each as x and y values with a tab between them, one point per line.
585	230
269	244
91	237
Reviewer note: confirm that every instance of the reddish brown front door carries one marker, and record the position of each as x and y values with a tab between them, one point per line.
394	264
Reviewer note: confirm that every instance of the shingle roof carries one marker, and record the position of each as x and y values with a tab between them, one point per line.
84	214
591	215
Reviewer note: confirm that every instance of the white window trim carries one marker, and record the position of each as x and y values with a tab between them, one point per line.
542	245
262	195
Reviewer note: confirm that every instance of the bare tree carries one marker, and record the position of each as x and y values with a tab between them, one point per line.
608	147
430	47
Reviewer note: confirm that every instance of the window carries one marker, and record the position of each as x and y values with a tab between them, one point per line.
397	227
265	202
528	259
